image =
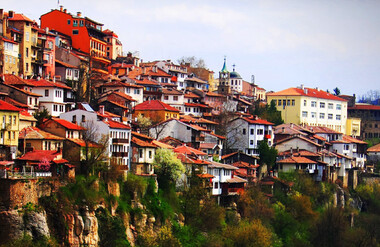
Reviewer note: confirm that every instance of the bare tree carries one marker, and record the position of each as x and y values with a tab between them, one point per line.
96	148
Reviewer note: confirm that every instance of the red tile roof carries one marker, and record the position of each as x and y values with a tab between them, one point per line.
188	150
22	90
171	91
35	133
154	105
191	95
212	94
162	145
139	135
298	137
67	124
82	143
374	149
38	155
364	107
11	79
228	155
309	92
67	65
4	106
142	143
242	164
297	160
19	17
197	105
301	152
353	140
205	175
116	125
257	121
45	83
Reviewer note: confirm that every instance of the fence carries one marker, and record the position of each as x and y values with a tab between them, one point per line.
23	175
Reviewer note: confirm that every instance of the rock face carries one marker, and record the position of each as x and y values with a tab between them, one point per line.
13	225
82	228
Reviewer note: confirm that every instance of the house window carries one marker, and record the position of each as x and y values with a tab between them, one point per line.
61	108
81	23
83	118
346	147
304	102
284	102
216	185
74	119
314	104
338	117
330	116
140	153
288	102
75	23
330	106
150	154
216	172
75	31
251	142
10	119
279	102
304	114
313	115
55	107
175	98
293	102
321	105
260	132
46	92
321	115
137	91
14	120
227	172
338	106
166	97
252	131
244	130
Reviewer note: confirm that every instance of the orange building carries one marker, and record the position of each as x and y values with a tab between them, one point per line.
86	35
156	110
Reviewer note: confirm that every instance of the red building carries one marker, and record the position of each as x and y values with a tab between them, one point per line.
86	35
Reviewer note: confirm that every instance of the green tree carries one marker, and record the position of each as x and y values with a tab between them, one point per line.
268	112
267	154
41	115
168	167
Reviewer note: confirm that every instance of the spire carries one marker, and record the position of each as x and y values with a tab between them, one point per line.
224	69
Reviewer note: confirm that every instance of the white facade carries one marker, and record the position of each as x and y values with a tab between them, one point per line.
222	173
52	99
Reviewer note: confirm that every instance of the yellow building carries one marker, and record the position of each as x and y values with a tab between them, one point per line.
156	110
9	120
311	106
10	58
24	24
353	127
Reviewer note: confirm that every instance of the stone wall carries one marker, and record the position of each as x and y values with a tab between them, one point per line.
16	193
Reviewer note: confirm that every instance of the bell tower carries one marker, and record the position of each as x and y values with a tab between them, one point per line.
224	80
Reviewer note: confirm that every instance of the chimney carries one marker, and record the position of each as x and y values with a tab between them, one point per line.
79	14
10	14
65	10
61	8
101	109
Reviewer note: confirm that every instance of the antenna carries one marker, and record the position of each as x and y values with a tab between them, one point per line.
253	79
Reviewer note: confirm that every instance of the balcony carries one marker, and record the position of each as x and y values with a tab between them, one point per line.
119	154
118	140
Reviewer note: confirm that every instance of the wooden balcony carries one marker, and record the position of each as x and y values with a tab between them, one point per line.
119	154
118	140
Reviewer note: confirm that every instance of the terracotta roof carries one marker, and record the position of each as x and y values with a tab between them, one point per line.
66	124
134	133
37	134
188	150
297	160
353	140
9	41
11	79
236	179
256	121
19	17
154	105
171	91
207	145
364	107
374	149
116	125
4	106
197	105
24	115
319	138
146	82
191	95
310	92
242	164
219	136
195	79
38	155
122	65
299	137
214	164
162	145
82	143
45	83
16	103
228	155
197	127
142	143
301	152
321	130
65	64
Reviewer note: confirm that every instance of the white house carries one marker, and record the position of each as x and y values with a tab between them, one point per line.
246	133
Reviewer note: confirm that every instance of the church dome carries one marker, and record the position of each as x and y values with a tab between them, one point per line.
235	75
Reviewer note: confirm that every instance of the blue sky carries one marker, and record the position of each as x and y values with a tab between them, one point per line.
284	43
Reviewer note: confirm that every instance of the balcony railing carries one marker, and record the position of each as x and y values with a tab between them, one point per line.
119	154
23	175
120	140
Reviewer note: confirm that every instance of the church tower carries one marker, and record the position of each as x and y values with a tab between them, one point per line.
224	80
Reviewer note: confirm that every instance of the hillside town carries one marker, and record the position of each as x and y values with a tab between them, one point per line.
72	103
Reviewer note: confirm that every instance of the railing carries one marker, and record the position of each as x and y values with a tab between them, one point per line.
120	140
23	175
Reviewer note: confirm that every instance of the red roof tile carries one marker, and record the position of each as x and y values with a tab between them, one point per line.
142	143
45	83
67	65
242	164
11	79
35	133
4	106
188	150
257	121
38	155
82	143
297	160
191	95
154	105
364	107
374	149
162	145
67	124
309	92
116	125
19	17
